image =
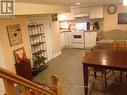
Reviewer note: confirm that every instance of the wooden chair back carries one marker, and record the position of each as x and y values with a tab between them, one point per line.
86	54
120	45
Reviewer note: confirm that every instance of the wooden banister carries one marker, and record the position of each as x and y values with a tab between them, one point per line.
9	86
56	86
10	78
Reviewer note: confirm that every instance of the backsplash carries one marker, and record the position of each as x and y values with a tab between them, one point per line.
81	24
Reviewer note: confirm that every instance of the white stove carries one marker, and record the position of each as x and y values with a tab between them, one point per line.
77	40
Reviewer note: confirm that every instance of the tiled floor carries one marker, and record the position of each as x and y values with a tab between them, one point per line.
69	69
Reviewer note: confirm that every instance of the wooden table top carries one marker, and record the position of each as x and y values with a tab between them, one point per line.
106	57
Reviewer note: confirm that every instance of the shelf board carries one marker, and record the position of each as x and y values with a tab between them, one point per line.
39	52
36	35
34	25
37	44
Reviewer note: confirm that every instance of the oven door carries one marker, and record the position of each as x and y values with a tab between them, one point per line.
77	37
77	40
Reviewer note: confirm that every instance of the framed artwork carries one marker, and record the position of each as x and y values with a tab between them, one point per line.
122	18
14	34
18	54
54	17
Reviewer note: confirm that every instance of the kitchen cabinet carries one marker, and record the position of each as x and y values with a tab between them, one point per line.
65	17
62	39
65	40
67	37
80	12
96	12
90	39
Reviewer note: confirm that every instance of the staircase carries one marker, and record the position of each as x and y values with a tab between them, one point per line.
12	80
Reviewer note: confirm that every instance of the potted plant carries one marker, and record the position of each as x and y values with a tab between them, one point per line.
39	63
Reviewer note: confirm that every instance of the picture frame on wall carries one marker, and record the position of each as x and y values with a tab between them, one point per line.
18	54
54	17
122	18
14	34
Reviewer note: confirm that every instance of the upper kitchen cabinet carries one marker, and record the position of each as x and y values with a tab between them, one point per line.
96	12
65	16
80	12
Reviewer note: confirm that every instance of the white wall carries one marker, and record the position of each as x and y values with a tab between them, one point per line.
7	49
33	8
111	21
56	38
2	64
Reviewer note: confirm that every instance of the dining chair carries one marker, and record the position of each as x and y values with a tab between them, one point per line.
96	70
120	46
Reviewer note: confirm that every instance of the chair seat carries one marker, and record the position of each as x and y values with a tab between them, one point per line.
121	46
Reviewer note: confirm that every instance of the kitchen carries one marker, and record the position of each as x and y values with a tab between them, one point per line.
79	28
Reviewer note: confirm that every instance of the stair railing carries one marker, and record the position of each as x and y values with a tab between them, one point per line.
11	80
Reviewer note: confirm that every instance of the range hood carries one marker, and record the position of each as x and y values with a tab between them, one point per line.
80	15
80	12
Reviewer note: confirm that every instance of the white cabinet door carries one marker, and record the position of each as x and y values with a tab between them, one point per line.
62	40
96	12
99	12
68	39
65	16
92	13
90	39
87	40
80	12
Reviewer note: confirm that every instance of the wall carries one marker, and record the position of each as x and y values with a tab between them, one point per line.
8	51
23	21
2	64
111	21
56	38
33	8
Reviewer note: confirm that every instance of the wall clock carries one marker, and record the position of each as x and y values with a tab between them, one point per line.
111	9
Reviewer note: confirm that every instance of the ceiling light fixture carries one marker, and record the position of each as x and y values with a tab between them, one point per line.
124	2
78	4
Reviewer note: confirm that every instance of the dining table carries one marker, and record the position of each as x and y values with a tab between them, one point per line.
106	58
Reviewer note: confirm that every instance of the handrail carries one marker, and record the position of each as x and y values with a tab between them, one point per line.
5	74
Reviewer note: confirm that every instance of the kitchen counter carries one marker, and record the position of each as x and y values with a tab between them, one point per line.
65	31
90	31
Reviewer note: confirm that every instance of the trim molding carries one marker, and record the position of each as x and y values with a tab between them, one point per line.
57	54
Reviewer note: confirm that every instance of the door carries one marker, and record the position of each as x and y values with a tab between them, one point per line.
47	29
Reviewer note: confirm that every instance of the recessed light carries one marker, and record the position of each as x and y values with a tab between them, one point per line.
77	3
124	2
71	7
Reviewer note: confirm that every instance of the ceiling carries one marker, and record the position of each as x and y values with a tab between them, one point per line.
73	2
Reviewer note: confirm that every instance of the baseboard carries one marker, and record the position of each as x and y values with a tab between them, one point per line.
57	54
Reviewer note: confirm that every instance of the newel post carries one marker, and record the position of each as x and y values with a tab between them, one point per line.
56	87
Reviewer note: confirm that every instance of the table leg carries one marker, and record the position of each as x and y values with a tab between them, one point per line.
85	73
